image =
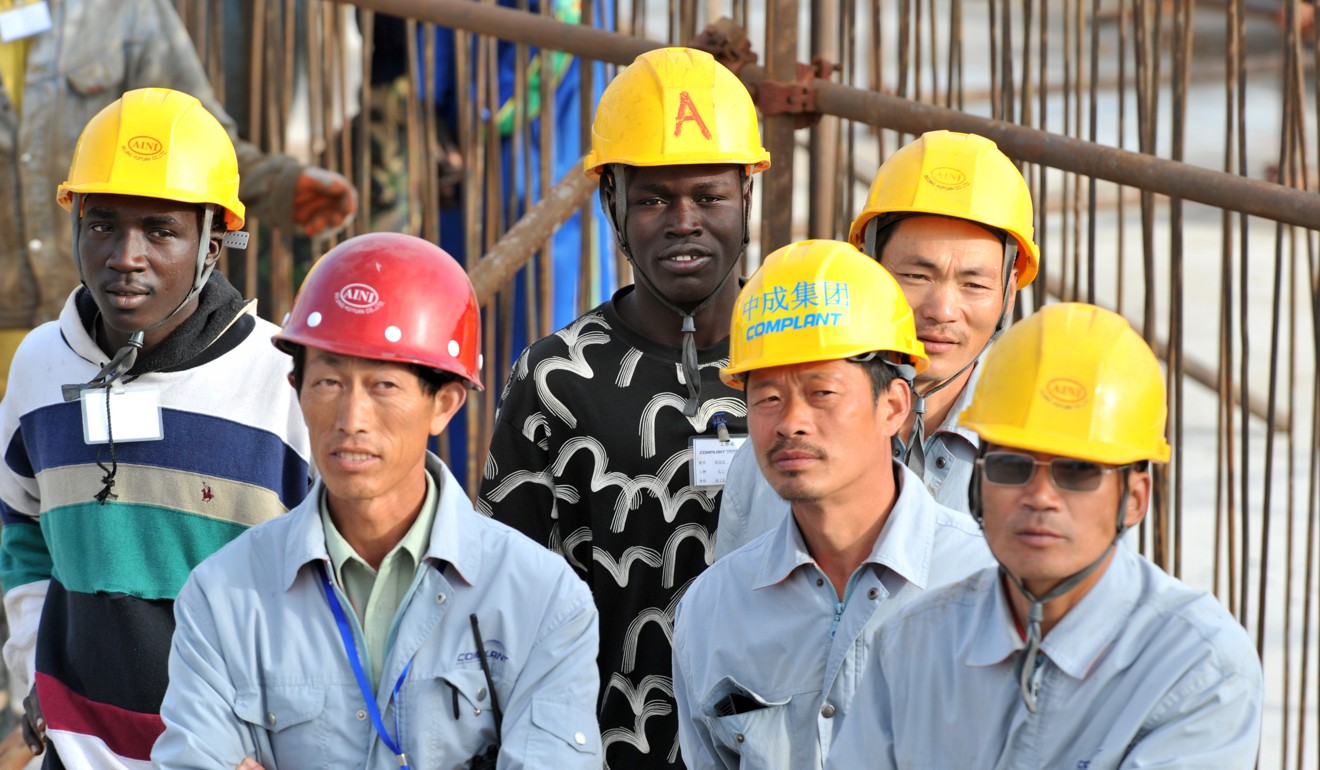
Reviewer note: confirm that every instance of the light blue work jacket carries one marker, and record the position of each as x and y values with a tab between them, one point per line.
766	657
751	506
258	667
1142	672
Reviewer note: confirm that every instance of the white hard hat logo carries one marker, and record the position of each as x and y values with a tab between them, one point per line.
359	298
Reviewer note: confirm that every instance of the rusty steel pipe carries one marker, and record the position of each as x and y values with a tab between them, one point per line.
515	248
518	27
1166	177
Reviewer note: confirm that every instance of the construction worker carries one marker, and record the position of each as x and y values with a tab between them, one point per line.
950	216
824	345
1074	652
612	433
62	62
383	623
142	430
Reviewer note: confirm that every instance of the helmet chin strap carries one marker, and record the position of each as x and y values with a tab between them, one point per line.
616	178
914	454
1030	666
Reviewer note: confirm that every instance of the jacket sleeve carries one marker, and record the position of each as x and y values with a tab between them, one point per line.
518	485
202	731
699	749
735	502
25	561
167	58
550	717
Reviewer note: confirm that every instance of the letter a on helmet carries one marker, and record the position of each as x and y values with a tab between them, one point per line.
675	106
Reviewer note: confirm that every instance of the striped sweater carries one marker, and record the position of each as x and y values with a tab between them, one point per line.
90	588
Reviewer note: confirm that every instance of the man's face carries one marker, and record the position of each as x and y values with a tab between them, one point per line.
1043	534
951	272
818	430
369	422
139	256
684	226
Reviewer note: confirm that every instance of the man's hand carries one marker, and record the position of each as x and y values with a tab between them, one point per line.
323	202
34	724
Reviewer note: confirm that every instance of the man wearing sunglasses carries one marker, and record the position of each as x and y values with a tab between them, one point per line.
769	642
1075	653
950	216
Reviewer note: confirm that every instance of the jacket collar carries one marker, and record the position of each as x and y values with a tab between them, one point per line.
905	544
1078	640
454	540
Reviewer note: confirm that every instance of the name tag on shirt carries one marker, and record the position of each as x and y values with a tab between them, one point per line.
134	415
711	458
24	21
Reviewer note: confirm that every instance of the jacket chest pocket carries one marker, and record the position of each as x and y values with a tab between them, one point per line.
746	725
286	724
458	703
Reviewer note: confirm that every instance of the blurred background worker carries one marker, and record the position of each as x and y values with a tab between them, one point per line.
1074	652
143	430
950	216
606	425
418	633
68	60
769	640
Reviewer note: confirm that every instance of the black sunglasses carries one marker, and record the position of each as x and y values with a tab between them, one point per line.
1014	469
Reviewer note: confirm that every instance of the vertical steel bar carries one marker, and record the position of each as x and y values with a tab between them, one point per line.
823	174
777	185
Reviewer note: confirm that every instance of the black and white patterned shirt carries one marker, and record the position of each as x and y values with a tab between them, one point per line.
591	456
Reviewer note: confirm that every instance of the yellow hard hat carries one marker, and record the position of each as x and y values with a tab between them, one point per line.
157	143
1073	380
798	308
675	106
955	175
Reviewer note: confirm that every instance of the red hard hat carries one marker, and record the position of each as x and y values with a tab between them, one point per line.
389	297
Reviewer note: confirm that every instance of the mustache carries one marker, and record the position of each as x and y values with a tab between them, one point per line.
795	445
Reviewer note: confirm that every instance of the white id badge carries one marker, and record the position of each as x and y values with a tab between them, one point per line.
134	415
711	458
24	21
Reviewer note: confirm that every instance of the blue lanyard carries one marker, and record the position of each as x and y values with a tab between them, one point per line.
346	635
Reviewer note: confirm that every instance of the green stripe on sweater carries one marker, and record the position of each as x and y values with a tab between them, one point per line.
24	559
140	550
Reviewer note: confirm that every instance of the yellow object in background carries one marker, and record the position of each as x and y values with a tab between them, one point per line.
9	339
13	71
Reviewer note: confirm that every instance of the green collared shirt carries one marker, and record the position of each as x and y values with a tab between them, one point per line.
377	596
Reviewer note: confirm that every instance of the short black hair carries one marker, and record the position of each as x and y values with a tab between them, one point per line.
881	372
432	380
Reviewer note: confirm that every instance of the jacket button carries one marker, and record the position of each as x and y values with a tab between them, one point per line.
873	593
579	738
481	694
270	717
820	581
827	711
739	737
361	715
439	598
